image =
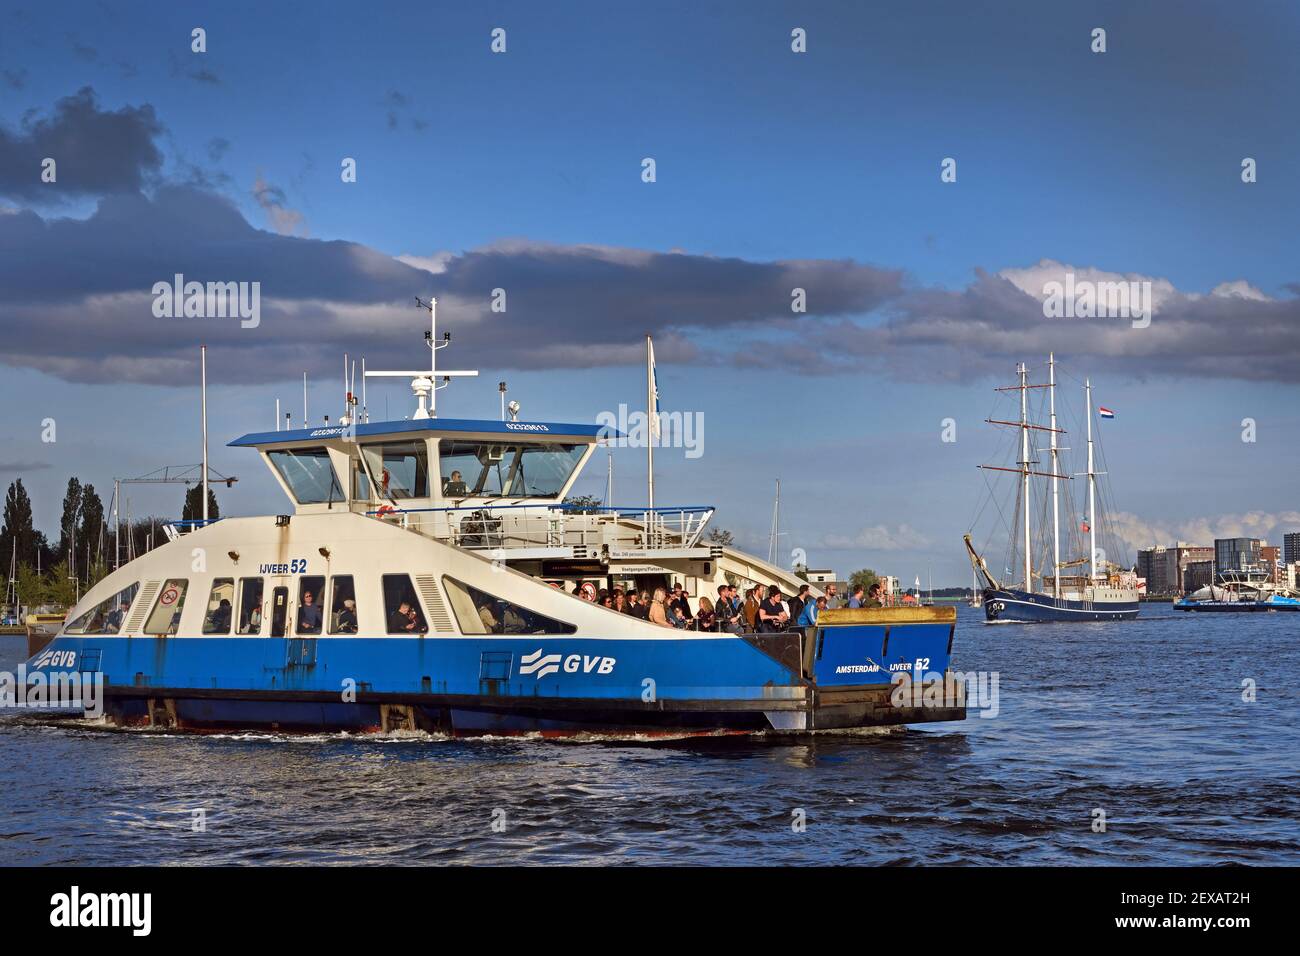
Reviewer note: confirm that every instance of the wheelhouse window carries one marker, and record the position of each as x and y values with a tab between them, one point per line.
308	473
343	605
478	612
108	616
400	469
250	606
311	600
506	469
401	607
220	607
166	615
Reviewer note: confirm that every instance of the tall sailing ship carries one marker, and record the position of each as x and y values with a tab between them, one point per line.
1055	590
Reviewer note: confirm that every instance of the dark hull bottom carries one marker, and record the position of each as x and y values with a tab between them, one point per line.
861	707
1026	607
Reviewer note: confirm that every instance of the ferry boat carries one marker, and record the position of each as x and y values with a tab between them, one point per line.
1108	592
422	578
1238	592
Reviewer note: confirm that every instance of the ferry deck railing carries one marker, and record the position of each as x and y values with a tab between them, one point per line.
496	527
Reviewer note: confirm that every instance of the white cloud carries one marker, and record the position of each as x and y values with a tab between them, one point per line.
879	538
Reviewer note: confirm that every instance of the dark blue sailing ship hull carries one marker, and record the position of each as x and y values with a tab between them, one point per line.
1007	605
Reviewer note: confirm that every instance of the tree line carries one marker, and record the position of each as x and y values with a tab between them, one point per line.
56	571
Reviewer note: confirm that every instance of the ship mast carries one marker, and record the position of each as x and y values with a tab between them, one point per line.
1024	466
1092	494
1056	471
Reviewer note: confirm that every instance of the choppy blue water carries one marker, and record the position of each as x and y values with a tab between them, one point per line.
1143	720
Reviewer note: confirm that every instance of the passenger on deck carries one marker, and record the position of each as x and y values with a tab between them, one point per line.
513	621
633	604
308	615
706	620
658	610
875	601
682	605
771	613
620	601
808	617
454	487
856	600
115	618
798	601
832	596
254	620
750	610
727	610
347	623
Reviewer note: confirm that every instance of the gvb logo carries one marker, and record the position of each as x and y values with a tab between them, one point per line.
541	664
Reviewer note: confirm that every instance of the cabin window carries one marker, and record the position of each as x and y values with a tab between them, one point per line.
506	469
250	606
166	615
343	605
108	616
311	603
221	607
400	469
401	607
478	612
308	473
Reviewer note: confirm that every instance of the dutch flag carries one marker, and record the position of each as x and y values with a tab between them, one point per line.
1105	412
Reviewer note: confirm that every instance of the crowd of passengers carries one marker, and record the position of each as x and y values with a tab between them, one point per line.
762	609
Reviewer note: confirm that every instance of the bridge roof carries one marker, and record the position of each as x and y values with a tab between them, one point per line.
423	427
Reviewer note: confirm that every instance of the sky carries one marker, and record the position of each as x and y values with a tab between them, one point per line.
524	170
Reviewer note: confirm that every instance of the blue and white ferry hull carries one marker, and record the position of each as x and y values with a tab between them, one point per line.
840	675
1010	605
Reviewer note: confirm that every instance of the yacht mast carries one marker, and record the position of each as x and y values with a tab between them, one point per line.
776	517
1023	370
1056	470
1092	494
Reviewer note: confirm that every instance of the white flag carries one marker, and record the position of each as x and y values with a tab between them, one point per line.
654	389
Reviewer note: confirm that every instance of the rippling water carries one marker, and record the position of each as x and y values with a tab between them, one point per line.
1144	720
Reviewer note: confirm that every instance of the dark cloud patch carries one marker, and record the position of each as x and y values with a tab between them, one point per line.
15	79
12	467
76	296
218	146
98	152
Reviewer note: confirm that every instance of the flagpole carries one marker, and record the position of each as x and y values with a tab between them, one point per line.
650	429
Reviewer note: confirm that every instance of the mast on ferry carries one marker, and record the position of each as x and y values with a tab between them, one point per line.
424	384
1056	471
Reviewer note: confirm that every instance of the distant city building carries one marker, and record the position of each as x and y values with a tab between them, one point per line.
820	577
1185	554
1270	557
1291	547
1237	554
1197	575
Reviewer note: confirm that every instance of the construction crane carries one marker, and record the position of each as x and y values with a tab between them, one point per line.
169	474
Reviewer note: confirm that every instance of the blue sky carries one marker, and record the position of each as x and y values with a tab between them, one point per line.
1126	162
